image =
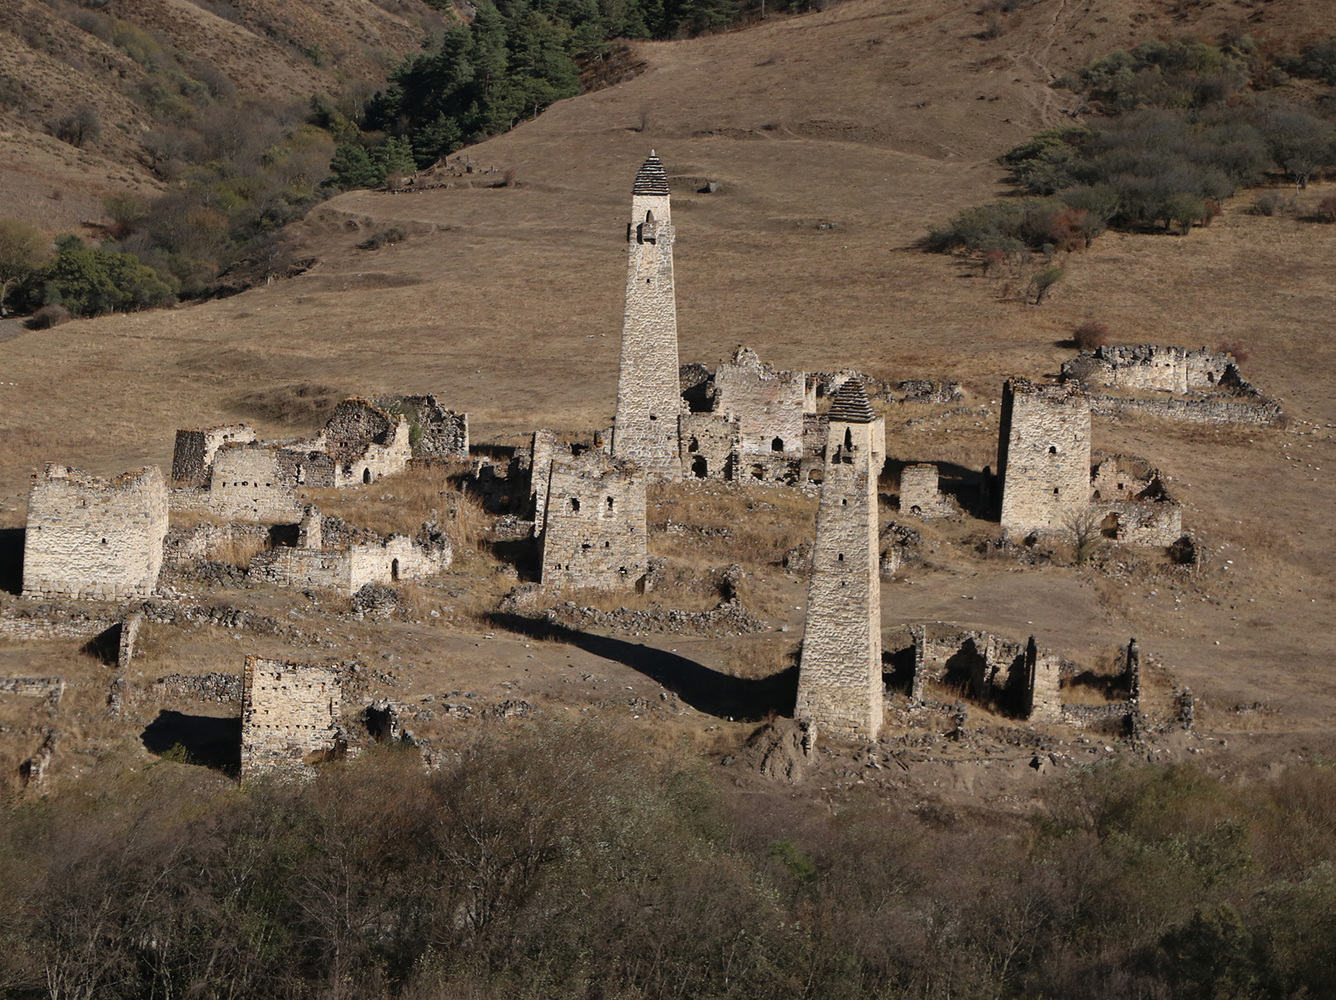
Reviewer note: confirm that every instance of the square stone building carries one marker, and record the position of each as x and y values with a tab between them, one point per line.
94	539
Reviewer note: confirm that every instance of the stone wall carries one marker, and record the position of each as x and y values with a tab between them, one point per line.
919	494
648	392
93	539
435	431
839	677
709	445
595	533
192	458
1130	500
1043	456
125	647
1149	366
289	715
767	403
347	570
1209	410
251	483
366	442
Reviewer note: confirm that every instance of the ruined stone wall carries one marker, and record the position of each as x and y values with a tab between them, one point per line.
1043	456
919	494
289	714
365	442
436	431
1142	522
249	483
184	546
1045	697
302	569
1227	410
348	570
125	647
709	445
1131	502
546	446
648	392
839	678
397	558
815	426
192	458
301	468
93	539
768	404
1151	367
595	533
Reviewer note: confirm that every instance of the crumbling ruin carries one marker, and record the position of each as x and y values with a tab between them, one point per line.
434	431
289	716
93	539
192	457
1130	501
1177	383
595	532
920	495
839	676
346	568
362	442
648	393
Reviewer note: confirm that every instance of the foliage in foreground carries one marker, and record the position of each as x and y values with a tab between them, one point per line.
563	862
1184	125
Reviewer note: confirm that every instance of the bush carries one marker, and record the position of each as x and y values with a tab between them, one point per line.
1090	334
91	282
1271	203
47	317
1326	208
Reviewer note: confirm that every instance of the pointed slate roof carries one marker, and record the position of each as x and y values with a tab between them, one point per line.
651	178
850	404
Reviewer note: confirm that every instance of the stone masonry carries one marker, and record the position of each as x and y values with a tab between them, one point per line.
1043	462
94	539
251	482
768	404
648	391
289	716
919	493
435	432
192	458
839	677
595	532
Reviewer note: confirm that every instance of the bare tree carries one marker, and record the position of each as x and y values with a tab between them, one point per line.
1084	529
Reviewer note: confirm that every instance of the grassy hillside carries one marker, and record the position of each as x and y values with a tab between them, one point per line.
141	67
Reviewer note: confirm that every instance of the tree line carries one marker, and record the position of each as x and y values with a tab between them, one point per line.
570	861
509	62
1176	127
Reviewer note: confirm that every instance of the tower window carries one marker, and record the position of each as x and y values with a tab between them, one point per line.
575	504
609	503
777	444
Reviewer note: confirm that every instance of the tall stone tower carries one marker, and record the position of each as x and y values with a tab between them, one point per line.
839	678
1043	456
649	398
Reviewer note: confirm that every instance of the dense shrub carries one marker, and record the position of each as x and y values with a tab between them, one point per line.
566	862
1182	132
89	282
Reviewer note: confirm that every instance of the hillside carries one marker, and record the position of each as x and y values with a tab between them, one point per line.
837	139
141	65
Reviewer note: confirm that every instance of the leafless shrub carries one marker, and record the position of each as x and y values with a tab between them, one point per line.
1090	334
47	317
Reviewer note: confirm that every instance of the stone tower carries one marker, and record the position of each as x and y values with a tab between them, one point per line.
649	398
1043	456
839	678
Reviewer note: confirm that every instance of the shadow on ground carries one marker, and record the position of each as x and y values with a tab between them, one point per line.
703	688
206	740
11	560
